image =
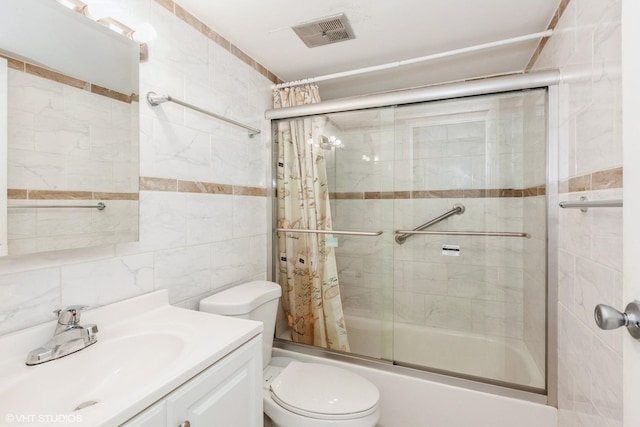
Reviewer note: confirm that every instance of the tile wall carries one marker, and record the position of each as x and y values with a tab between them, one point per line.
586	50
68	145
203	188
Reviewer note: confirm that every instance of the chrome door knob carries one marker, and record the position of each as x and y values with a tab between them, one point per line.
608	317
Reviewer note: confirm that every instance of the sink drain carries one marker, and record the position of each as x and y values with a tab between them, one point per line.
85	404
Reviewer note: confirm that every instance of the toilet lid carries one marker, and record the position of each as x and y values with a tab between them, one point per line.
322	391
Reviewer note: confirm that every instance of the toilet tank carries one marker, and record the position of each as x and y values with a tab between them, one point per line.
257	300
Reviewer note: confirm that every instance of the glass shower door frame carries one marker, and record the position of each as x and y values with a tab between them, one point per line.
552	214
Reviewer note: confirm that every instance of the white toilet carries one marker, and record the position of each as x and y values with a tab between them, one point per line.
298	394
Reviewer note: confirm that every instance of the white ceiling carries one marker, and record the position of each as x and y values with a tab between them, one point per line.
386	31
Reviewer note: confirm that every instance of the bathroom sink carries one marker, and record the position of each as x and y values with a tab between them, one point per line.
92	375
134	363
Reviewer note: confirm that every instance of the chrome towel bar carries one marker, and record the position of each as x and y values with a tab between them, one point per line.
584	204
154	100
100	206
341	232
401	237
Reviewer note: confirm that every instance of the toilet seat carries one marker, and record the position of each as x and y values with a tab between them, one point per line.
324	392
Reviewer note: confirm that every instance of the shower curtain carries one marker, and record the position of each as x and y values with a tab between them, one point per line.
307	267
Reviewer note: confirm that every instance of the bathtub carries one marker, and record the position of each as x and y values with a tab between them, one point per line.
411	398
500	359
407	400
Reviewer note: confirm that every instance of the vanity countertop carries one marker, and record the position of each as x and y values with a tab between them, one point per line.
146	348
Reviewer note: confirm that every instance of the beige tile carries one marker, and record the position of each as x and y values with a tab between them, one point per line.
449	194
56	77
167	4
115	196
241	55
59	195
580	183
348	196
158	184
249	191
425	195
191	20
16	194
611	178
103	91
14	63
203	187
563	186
379	195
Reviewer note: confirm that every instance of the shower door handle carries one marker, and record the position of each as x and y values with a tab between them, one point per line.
607	317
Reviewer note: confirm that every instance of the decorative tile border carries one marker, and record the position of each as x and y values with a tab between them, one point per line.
599	180
180	186
552	26
45	73
200	26
20	194
441	194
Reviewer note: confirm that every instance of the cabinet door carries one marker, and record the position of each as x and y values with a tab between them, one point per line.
153	416
228	394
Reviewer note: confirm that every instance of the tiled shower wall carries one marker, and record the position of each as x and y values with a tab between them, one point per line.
586	47
203	199
410	164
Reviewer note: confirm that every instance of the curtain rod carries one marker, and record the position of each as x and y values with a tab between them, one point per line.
154	100
422	94
397	64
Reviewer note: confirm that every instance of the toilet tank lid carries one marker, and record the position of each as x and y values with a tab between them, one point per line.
241	299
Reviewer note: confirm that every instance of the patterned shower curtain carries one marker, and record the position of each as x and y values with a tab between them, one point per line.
307	269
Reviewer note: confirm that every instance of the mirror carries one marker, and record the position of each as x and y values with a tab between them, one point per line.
70	88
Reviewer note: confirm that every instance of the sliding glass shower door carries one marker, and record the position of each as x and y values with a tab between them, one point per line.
456	282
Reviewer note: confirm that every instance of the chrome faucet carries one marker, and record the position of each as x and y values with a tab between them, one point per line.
68	337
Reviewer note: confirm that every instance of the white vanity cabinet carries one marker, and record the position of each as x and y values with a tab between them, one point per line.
227	394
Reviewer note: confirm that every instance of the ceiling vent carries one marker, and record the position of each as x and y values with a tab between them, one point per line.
332	29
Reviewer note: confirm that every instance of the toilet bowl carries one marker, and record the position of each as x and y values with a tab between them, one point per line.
297	394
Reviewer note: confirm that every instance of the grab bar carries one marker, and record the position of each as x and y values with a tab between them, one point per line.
342	232
583	204
402	236
466	233
100	206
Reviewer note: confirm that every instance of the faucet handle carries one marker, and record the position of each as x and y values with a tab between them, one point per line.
70	315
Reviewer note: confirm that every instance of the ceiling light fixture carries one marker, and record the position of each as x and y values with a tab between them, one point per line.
75	5
145	34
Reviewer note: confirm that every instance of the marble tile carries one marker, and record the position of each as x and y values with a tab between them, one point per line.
181	152
107	281
29	298
595	284
209	218
28	169
229	260
607	378
162	222
423	278
408	308
448	312
184	271
248	216
497	318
